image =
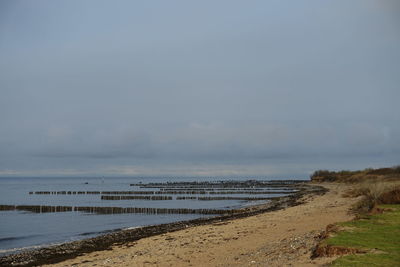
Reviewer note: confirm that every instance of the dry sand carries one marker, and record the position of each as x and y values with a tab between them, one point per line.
279	238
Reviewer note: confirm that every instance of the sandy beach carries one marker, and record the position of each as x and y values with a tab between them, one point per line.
279	238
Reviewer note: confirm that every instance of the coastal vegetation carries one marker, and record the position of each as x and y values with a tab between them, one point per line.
373	186
372	240
382	174
373	237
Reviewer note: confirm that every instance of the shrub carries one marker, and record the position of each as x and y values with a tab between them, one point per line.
382	174
390	197
375	193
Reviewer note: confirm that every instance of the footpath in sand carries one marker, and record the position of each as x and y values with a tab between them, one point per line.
280	238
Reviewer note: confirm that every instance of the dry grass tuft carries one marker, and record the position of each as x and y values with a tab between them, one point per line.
374	193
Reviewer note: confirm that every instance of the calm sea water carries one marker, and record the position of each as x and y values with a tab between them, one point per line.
25	230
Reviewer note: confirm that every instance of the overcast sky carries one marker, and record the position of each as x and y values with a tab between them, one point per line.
272	88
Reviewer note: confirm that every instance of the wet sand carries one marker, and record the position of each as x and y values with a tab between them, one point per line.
279	238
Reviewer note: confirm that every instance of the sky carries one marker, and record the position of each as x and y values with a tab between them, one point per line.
198	88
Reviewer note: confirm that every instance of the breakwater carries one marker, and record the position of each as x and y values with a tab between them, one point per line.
112	210
136	198
224	184
169	192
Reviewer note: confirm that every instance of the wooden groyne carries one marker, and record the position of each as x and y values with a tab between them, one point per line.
63	192
7	207
136	197
119	210
236	198
223	184
248	192
113	210
220	189
196	192
226	198
185	198
92	192
164	192
37	208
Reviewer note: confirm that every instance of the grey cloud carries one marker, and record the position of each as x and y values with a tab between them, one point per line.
216	141
144	87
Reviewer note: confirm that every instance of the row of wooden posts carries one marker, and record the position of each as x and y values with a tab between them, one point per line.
196	192
219	189
182	198
37	208
136	197
179	192
223	184
113	210
225	198
185	198
92	192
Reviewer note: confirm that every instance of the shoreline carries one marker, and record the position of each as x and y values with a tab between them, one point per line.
70	250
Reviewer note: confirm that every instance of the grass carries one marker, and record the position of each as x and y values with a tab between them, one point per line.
378	235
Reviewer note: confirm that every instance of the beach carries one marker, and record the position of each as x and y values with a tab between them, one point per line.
199	133
279	238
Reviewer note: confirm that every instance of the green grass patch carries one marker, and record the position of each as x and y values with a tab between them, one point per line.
378	234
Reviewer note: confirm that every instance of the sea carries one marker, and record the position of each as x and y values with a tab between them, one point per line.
23	230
